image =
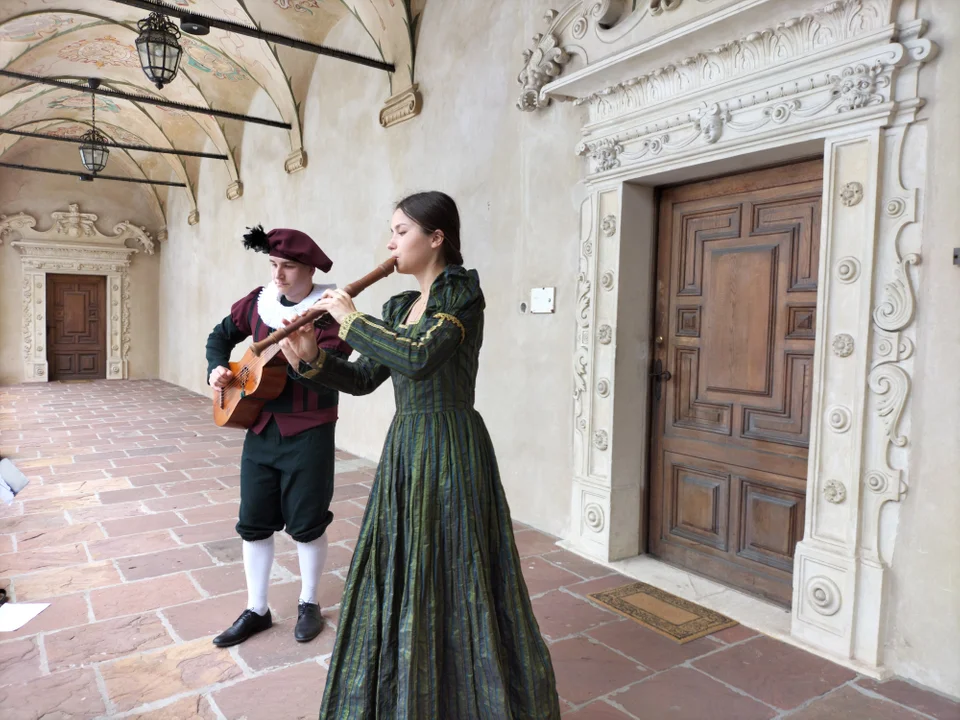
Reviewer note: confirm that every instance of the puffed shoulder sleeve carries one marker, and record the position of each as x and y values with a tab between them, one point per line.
454	310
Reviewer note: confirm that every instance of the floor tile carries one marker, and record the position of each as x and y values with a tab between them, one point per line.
648	647
102	641
72	694
848	704
760	666
147	677
586	670
561	615
932	704
685	694
273	692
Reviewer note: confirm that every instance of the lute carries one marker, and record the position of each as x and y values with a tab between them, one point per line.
261	374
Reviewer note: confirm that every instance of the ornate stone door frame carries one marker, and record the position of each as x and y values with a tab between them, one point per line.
73	245
841	79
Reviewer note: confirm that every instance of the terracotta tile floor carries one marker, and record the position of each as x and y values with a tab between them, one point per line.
127	530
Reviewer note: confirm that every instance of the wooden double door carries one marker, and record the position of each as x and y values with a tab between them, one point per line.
733	364
76	327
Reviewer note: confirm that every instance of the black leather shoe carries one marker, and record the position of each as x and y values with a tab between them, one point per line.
309	622
247	625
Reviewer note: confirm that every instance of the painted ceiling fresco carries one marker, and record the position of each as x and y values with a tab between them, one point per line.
73	40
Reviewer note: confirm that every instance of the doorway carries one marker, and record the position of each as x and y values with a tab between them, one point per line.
76	327
734	328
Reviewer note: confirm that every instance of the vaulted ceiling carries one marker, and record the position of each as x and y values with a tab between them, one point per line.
73	40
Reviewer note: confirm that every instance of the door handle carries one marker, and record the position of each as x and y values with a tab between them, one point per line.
659	375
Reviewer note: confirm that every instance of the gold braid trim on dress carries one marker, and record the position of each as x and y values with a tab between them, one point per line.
442	317
451	318
347	322
316	366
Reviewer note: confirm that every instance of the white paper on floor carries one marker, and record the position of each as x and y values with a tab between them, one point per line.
14	616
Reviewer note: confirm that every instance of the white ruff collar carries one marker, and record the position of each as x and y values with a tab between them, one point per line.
273	313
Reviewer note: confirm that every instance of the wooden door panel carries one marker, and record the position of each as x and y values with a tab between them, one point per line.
76	331
736	306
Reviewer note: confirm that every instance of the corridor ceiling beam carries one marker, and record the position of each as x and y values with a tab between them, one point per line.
146	99
87	177
254	32
123	146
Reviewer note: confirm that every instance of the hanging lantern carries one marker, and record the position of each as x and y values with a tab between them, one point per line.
93	144
94	152
159	49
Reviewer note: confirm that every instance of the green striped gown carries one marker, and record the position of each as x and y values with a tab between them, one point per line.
436	621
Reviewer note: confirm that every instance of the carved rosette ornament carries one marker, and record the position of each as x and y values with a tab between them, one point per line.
594	517
843	345
824	595
601	440
851	194
834	492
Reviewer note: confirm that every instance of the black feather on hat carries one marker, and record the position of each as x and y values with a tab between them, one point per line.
256	239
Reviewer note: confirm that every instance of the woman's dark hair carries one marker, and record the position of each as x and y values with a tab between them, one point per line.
434	211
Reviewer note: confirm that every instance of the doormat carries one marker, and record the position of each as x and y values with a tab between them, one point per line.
671	616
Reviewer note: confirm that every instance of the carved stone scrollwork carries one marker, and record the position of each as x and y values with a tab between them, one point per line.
892	385
658	7
401	107
542	63
604	153
824	595
10	225
896	310
835	23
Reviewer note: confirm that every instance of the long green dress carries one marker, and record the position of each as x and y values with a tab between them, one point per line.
436	621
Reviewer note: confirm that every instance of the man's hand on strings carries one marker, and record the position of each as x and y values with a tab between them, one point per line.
220	377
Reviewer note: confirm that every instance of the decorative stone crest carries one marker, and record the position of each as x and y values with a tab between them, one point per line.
603	387
843	345
851	194
605	335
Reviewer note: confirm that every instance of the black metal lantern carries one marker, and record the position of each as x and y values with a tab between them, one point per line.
94	152
159	49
